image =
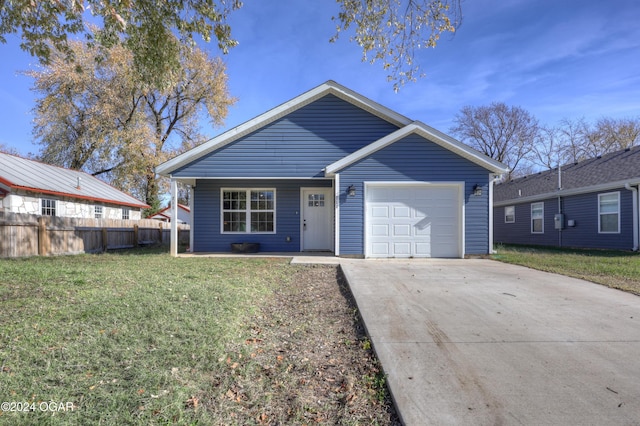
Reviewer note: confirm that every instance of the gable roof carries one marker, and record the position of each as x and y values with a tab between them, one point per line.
596	174
426	132
328	88
166	212
29	175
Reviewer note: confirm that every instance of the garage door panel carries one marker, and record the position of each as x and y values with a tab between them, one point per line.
380	250
380	230
401	212
402	249
402	230
423	229
413	221
380	211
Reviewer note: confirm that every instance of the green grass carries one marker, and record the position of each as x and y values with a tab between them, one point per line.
615	269
127	338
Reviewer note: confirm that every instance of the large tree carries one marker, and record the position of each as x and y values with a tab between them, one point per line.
504	133
389	31
99	116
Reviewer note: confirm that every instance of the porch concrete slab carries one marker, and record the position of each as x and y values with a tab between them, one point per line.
478	342
297	258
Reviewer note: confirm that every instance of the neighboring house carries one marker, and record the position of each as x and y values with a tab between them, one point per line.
164	215
333	171
595	207
32	187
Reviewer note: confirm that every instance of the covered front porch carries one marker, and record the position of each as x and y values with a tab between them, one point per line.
279	215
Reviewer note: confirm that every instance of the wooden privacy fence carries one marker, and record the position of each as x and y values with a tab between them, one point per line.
29	235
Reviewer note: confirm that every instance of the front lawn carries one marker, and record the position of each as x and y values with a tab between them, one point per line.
616	269
139	337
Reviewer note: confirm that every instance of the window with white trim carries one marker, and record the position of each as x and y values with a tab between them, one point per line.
609	213
249	211
48	207
537	218
97	212
126	213
509	214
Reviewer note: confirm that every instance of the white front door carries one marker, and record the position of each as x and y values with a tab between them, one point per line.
317	219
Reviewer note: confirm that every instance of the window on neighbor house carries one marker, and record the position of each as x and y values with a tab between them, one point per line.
48	207
125	213
97	212
537	218
248	211
509	214
609	213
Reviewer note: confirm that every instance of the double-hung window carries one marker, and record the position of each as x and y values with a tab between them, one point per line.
509	214
537	218
97	212
609	213
248	211
48	207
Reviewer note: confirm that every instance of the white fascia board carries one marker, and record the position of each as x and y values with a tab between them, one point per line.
193	179
428	133
330	87
568	192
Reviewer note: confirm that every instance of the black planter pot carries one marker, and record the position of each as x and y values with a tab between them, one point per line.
245	247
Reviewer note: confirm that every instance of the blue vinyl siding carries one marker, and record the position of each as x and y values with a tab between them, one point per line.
206	211
414	159
583	209
299	145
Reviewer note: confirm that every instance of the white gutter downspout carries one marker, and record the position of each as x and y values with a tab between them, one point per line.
634	192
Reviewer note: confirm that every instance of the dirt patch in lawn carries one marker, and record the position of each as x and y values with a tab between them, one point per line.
305	359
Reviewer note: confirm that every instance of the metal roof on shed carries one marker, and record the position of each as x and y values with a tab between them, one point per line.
21	173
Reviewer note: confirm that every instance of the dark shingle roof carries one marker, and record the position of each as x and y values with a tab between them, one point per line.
30	175
610	168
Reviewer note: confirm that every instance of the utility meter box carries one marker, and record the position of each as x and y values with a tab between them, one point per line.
558	221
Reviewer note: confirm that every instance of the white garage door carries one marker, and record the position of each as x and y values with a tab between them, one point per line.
413	220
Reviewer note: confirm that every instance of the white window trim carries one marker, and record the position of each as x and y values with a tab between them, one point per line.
532	206
600	214
125	213
248	211
54	207
98	212
514	214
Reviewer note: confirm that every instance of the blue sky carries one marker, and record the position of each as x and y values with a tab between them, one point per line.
555	58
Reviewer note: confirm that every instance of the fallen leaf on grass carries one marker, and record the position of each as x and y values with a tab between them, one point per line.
192	402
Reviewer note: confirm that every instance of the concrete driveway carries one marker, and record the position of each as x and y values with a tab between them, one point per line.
480	342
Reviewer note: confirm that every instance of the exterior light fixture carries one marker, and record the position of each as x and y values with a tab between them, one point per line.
351	191
477	190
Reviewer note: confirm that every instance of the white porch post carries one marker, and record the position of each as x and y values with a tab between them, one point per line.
336	215
191	222
174	218
491	181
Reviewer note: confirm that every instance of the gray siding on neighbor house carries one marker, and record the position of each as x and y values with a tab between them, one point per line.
207	212
299	145
583	209
414	159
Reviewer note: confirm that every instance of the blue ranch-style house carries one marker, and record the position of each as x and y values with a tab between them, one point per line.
588	204
333	171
